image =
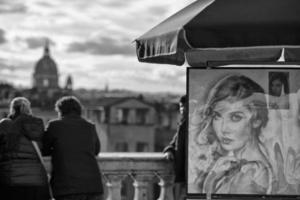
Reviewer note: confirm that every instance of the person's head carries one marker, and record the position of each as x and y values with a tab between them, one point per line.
68	105
276	87
278	84
236	110
182	105
19	105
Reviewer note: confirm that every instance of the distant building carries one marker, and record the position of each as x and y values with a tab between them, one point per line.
4	109
129	124
45	76
7	92
167	118
45	89
69	83
123	124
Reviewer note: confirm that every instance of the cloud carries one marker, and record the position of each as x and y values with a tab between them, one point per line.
16	65
138	80
167	74
4	65
157	10
44	4
93	41
117	3
127	74
19	74
37	42
2	36
104	46
7	6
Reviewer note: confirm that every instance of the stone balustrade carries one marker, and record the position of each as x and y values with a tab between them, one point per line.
142	168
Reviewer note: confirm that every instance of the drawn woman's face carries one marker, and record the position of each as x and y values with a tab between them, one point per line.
231	122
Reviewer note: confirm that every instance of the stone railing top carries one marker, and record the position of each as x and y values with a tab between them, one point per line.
131	156
118	162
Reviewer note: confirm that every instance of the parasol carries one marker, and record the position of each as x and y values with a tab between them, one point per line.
225	30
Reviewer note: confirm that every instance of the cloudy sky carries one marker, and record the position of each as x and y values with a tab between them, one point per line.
90	39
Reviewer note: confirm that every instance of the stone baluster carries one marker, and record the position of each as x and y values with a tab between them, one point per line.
115	167
140	184
166	183
113	184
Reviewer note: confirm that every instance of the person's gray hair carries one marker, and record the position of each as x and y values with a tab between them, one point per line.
20	105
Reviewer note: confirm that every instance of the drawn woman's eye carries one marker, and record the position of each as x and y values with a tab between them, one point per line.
235	117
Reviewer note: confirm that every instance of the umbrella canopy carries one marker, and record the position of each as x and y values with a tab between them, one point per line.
225	30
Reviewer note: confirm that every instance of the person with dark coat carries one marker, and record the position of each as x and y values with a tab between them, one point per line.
22	175
73	144
175	151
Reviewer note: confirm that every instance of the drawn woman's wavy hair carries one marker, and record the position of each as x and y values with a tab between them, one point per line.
234	88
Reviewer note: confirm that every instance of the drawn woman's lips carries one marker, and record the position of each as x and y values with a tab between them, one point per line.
225	140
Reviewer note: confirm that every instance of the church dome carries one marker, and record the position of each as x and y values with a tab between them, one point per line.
45	75
46	65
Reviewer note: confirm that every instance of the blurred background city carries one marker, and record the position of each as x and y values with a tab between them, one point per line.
86	49
49	49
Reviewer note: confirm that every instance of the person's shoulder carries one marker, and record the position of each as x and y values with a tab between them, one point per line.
260	174
27	118
87	122
5	121
30	120
34	119
5	125
256	168
54	122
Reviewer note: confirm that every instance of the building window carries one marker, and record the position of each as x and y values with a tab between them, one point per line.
99	115
142	147
45	82
96	115
88	114
141	116
121	147
123	115
106	115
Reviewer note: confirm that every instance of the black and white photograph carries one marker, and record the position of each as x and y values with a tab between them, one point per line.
279	90
149	99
